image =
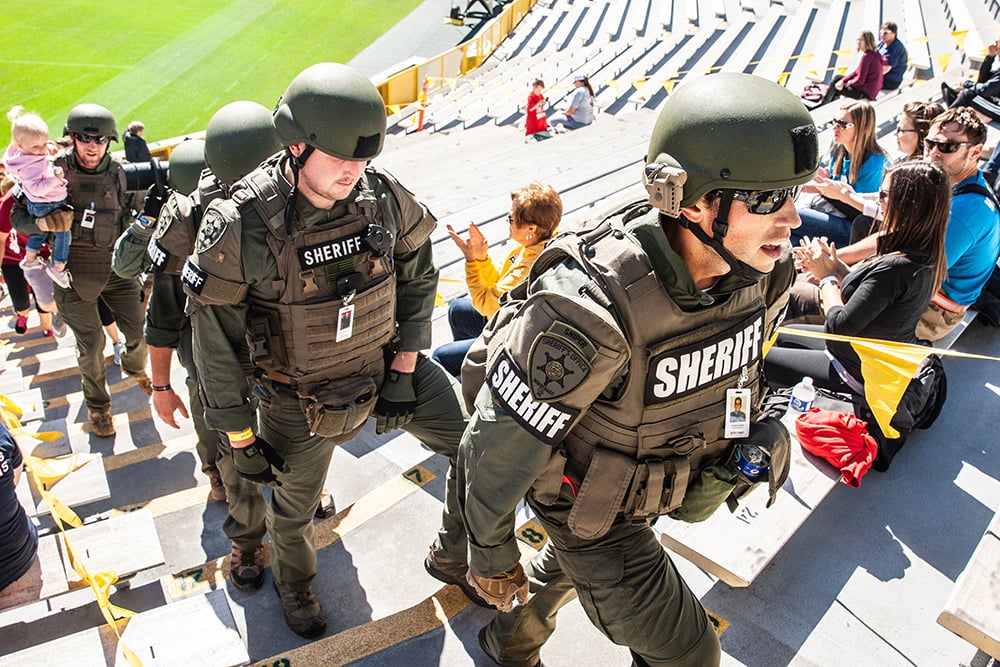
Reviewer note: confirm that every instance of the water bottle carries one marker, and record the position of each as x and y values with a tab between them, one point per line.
803	395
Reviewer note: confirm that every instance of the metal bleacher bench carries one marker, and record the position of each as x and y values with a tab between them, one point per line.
973	609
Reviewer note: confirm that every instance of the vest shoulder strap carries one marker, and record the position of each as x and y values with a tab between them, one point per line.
976	188
259	190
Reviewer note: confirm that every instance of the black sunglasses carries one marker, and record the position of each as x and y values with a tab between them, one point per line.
842	124
90	139
765	202
944	146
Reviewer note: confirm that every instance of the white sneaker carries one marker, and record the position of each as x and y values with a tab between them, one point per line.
119	348
58	325
32	264
61	278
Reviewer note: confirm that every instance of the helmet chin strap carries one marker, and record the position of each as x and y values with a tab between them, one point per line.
296	162
720	227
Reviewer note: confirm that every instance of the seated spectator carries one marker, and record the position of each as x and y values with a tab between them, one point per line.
856	159
911	130
986	85
894	54
535	212
972	244
18	536
136	149
882	297
580	111
865	80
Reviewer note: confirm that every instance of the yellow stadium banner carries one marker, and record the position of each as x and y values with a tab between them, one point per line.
639	84
841	71
844	52
669	85
783	78
921	40
943	61
959	36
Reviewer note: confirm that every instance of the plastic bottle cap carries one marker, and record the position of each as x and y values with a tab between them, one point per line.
807	381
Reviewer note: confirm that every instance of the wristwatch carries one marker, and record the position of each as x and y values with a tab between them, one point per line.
145	221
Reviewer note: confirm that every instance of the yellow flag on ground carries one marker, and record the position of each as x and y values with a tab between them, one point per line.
886	369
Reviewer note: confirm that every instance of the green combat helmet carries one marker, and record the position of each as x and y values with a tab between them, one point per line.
728	131
334	109
239	137
91	119
187	160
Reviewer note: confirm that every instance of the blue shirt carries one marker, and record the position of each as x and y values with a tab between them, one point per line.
18	537
869	175
972	243
895	55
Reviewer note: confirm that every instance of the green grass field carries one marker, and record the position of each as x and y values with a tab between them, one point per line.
173	63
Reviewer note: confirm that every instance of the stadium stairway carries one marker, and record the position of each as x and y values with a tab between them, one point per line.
860	583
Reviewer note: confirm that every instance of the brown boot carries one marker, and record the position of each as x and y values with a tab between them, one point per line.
303	614
452	572
218	490
326	507
246	568
144	382
101	424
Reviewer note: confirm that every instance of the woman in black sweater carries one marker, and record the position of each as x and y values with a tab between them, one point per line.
881	297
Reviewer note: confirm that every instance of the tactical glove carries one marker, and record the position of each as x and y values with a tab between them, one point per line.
396	400
258	461
156	197
501	590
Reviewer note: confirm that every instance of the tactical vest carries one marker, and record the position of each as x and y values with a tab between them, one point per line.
94	234
336	308
638	451
177	227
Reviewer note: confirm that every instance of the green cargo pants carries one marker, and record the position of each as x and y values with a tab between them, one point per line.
208	439
438	422
122	297
628	587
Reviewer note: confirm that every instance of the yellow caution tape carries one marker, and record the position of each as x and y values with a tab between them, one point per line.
45	472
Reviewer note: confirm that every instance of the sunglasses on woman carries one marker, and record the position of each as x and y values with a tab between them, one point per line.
842	124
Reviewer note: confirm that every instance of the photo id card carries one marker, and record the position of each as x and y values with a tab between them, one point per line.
89	216
737	413
345	322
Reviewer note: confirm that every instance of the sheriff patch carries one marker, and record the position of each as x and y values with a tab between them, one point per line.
157	255
330	251
213	226
193	277
685	370
556	367
549	422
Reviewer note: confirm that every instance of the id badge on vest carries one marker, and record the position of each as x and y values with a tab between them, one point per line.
345	322
737	413
89	216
